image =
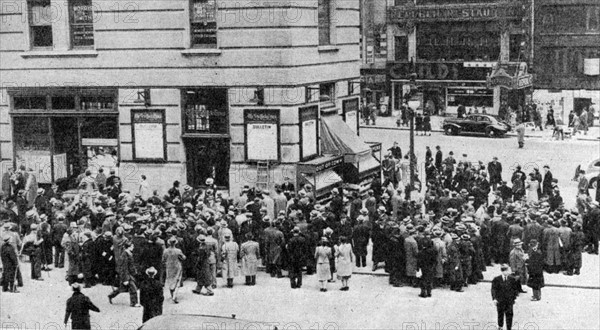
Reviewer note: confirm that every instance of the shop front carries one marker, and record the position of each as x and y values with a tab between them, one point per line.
206	135
322	174
59	133
444	86
374	89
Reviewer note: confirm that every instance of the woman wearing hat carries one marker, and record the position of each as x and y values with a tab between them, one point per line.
173	262
535	268
345	259
322	255
202	267
250	253
532	186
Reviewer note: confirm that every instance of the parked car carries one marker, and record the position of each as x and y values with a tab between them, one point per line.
591	173
476	123
194	321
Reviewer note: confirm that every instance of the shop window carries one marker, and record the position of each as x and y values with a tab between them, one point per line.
29	102
97	103
401	48
81	20
206	111
203	23
40	23
324	18
63	103
327	92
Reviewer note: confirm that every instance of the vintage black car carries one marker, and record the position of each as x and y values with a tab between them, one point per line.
475	123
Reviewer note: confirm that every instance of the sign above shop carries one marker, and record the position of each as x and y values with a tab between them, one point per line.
510	76
437	71
463	12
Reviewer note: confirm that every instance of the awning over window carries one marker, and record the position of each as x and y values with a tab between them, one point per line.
323	181
367	164
337	138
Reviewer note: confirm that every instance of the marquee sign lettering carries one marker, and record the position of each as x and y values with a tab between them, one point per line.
467	12
437	71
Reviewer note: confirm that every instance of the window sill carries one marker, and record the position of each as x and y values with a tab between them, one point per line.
201	52
328	48
67	53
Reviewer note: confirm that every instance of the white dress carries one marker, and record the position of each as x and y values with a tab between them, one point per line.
532	189
345	260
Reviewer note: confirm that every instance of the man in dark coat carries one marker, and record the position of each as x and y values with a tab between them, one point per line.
504	292
535	270
426	261
88	261
10	263
547	181
127	274
296	248
106	259
395	258
360	239
151	295
337	203
78	309
379	239
438	158
58	231
202	267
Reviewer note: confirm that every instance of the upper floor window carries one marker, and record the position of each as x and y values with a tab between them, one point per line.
324	18
203	23
40	23
82	23
327	94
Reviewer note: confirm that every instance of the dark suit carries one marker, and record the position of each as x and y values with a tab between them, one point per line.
547	184
505	292
438	160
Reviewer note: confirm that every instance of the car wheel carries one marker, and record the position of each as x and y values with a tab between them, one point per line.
490	133
448	131
594	184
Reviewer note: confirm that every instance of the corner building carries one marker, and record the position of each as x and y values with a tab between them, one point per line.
181	90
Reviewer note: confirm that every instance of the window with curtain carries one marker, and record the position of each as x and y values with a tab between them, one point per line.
40	23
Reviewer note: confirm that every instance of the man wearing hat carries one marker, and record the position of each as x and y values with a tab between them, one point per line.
591	226
360	237
495	171
411	250
151	295
78	309
518	260
230	252
505	290
297	253
10	265
106	259
127	274
535	269
453	271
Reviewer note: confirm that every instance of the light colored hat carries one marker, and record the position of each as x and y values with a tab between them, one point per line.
151	271
41	191
364	211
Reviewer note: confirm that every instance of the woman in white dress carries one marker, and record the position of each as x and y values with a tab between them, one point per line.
322	255
532	185
345	260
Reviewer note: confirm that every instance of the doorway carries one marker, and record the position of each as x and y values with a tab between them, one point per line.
207	158
580	103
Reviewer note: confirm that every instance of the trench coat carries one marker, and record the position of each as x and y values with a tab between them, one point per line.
551	239
274	241
78	309
151	298
453	265
535	268
411	249
230	251
517	264
440	247
202	267
250	253
322	255
172	259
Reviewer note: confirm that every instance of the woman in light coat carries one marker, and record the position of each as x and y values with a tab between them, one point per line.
230	251
345	260
322	255
532	185
172	259
250	253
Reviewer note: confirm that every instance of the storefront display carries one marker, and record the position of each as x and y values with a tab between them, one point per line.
148	134
308	132
350	109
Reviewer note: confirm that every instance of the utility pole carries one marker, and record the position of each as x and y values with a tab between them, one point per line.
411	118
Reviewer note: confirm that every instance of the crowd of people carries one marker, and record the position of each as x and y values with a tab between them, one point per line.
467	218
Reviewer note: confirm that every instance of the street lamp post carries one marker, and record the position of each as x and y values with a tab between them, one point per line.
412	106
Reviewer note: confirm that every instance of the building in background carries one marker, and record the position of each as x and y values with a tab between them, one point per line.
241	92
567	55
454	47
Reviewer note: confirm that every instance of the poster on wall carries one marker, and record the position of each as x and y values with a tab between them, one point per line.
60	166
350	109
308	132
148	134
262	135
39	161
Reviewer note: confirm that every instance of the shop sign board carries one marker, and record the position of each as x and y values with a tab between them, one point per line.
462	12
262	134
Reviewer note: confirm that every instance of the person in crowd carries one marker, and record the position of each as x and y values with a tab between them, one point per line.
173	259
535	270
518	259
427	261
127	276
296	247
250	254
78	309
202	268
322	255
10	264
151	295
345	262
230	254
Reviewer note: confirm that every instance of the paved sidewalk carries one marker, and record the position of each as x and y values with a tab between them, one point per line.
437	121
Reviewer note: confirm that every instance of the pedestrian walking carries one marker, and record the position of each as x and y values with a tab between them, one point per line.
322	255
202	268
127	274
518	258
151	295
345	262
173	262
504	292
78	309
521	135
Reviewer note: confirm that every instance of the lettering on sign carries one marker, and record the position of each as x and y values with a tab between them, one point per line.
437	71
511	11
329	164
568	19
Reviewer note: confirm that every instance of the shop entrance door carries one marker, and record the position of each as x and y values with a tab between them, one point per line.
66	141
207	158
581	103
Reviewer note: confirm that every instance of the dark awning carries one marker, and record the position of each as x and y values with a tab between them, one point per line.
337	138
